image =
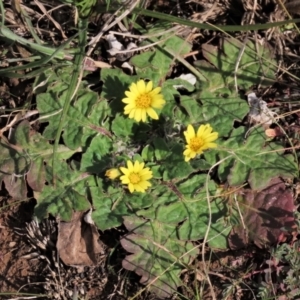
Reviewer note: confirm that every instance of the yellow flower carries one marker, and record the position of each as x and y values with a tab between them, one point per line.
197	143
136	176
112	173
141	99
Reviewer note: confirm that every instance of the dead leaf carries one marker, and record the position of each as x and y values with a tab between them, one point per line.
77	242
265	213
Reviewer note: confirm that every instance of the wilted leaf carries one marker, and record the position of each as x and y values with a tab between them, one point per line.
36	175
23	160
14	166
77	241
16	187
265	214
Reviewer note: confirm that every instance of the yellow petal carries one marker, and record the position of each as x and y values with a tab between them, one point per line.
138	188
132	114
144	115
158	103
127	100
112	173
136	167
141	167
155	91
130	106
212	145
145	184
200	130
145	171
131	187
146	177
191	131
131	95
187	158
149	86
129	165
124	179
212	137
187	151
124	171
141	86
133	89
152	113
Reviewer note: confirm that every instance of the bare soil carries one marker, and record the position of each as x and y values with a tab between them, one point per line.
17	273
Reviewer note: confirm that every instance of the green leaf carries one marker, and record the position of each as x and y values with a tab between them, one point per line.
122	126
256	65
192	108
174	167
137	201
36	145
255	160
161	149
156	254
115	83
84	118
186	203
156	65
110	208
148	153
219	112
195	227
96	157
63	198
49	106
78	118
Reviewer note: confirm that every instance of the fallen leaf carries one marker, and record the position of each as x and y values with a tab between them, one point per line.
77	242
265	214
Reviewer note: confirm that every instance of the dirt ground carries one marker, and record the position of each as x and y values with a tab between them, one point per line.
24	274
17	273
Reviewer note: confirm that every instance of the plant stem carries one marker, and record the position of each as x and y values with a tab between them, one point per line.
74	84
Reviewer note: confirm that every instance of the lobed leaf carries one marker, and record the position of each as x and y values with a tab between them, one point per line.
266	215
65	196
157	255
254	160
255	65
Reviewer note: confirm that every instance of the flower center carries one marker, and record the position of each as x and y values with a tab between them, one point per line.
143	101
134	178
196	143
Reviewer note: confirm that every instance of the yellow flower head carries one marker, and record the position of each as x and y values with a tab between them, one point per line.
197	143
112	173
136	176
141	99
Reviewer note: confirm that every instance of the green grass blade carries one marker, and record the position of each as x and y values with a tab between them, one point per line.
226	28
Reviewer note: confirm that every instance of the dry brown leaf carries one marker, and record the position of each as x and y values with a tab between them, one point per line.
77	242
